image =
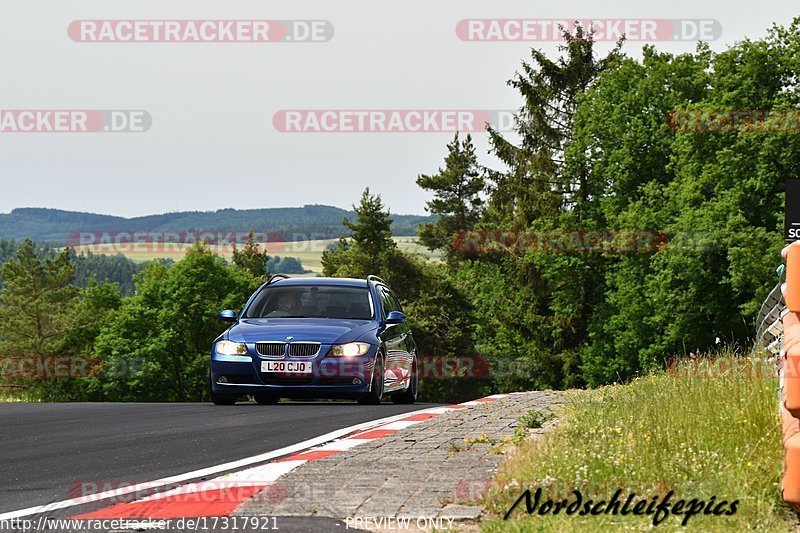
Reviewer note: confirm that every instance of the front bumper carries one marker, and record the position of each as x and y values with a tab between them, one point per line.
331	377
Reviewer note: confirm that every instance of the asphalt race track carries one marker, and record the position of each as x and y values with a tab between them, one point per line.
47	450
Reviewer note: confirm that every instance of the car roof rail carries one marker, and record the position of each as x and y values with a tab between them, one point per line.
372	277
276	277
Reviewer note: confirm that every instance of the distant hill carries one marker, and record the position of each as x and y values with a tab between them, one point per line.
54	226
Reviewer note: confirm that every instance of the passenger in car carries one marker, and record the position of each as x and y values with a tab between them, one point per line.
289	303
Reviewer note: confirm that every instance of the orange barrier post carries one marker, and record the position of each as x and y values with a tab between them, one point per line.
791	293
790	377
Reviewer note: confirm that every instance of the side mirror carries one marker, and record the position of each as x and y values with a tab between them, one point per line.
395	317
228	315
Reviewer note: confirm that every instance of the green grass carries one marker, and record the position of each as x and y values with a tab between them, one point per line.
12	394
534	419
703	429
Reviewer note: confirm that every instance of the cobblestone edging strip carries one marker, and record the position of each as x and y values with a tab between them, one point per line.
423	470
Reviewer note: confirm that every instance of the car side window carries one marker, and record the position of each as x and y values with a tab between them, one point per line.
395	302
386	302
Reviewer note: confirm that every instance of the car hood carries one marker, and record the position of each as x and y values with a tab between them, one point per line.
324	330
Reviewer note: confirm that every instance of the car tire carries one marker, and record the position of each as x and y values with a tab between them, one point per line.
267	399
373	397
223	399
220	399
409	395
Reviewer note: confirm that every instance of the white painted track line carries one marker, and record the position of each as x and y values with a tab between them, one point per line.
400	424
252	477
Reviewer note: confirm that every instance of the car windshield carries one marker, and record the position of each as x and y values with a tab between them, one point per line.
312	301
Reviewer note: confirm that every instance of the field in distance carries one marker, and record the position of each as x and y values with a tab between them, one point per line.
308	252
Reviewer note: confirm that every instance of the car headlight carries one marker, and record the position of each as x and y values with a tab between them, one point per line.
351	349
231	348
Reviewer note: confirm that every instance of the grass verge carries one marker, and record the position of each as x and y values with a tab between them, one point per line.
706	428
10	394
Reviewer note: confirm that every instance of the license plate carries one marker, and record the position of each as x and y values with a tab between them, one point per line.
287	367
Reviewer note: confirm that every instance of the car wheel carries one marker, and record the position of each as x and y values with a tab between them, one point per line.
223	399
220	399
267	399
373	397
410	394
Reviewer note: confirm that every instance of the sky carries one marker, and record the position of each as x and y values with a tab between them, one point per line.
215	115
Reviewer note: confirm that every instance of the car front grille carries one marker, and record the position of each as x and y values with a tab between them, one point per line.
303	349
271	349
294	349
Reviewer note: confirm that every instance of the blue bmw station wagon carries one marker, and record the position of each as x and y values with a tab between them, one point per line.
316	338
